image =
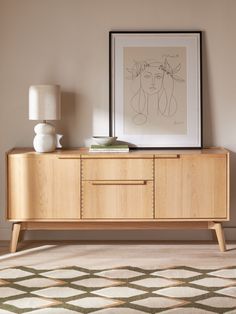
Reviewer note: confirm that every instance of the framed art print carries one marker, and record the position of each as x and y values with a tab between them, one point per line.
155	88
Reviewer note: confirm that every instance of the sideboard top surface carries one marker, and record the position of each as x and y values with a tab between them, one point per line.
134	153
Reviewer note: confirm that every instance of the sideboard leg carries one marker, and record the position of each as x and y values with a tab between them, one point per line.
15	236
21	235
220	236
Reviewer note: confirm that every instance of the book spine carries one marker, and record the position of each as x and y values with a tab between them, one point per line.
108	150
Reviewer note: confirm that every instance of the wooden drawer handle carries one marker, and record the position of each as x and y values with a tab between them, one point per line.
119	182
67	157
167	156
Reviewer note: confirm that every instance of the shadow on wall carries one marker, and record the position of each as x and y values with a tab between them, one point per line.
69	104
75	123
208	126
207	123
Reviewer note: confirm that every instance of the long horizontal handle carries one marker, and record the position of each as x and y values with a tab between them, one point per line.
119	182
167	156
68	157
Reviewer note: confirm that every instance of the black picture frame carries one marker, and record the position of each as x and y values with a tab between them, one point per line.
177	60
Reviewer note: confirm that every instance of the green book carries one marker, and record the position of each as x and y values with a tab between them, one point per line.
109	149
110	146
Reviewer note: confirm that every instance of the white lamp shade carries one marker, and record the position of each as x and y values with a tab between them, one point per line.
44	102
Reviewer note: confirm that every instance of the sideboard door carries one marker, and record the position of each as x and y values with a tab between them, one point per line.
43	187
191	187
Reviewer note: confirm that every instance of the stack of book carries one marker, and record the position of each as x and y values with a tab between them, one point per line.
109	148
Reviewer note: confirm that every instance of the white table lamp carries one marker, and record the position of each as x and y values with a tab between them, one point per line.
45	104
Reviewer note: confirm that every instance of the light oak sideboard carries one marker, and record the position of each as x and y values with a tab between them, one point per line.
142	189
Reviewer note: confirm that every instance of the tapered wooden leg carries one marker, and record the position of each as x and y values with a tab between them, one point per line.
213	234
21	235
15	236
220	235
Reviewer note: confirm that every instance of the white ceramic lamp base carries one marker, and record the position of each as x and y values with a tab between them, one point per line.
46	140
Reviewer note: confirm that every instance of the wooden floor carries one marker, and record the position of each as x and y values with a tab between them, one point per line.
106	254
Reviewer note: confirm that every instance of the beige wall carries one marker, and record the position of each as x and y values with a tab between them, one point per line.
66	42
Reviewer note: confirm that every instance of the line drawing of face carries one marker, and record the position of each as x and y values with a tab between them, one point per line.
156	87
152	79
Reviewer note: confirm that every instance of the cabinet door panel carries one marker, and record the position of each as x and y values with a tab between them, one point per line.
67	188
191	187
43	188
117	200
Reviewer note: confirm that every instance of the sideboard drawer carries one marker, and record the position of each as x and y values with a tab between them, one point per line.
117	169
117	199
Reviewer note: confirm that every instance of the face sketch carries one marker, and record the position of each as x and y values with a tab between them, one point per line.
151	80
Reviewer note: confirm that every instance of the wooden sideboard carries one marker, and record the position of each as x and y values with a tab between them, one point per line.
142	189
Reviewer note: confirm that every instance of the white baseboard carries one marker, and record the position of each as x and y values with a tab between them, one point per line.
201	235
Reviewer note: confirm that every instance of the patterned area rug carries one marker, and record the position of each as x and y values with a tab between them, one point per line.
125	290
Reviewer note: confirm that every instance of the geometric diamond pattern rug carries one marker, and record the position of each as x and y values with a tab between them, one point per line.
124	290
